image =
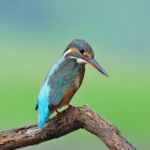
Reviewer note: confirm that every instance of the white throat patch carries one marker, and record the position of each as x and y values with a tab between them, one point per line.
79	60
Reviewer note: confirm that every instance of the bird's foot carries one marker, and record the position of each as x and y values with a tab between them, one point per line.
57	112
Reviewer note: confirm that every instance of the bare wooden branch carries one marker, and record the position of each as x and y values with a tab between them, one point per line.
68	121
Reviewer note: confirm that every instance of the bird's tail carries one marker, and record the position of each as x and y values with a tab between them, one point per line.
43	119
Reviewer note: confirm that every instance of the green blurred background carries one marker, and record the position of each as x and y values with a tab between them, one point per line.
33	35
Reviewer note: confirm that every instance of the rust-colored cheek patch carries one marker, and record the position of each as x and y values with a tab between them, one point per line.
87	55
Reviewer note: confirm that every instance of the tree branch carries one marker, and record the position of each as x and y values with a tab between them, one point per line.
67	121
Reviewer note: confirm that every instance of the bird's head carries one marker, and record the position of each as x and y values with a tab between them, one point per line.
81	51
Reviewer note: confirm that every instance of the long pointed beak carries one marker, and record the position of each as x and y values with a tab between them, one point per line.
96	65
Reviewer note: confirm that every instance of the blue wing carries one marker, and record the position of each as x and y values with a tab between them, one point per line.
56	98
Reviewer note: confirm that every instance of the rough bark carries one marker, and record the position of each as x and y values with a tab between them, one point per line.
67	121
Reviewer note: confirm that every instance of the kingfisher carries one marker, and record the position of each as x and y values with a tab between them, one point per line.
64	79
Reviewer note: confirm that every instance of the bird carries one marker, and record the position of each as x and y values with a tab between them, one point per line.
65	78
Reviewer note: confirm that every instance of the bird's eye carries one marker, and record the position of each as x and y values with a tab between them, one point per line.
82	51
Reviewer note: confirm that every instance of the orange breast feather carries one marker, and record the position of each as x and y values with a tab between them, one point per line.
72	90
